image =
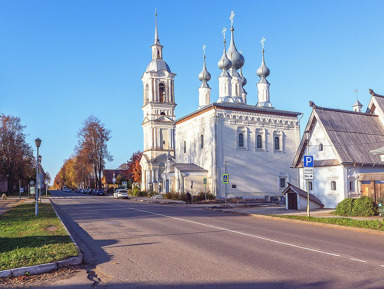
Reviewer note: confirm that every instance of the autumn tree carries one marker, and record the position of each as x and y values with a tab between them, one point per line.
134	167
16	155
93	138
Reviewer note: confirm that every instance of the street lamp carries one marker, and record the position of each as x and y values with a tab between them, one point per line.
38	143
307	135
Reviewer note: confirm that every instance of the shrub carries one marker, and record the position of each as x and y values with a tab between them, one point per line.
364	206
344	208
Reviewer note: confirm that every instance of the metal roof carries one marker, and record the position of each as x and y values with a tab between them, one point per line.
187	167
302	193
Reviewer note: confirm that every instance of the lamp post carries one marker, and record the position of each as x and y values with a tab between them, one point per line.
307	137
39	184
38	143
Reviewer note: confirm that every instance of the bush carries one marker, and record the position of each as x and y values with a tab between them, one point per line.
363	206
344	208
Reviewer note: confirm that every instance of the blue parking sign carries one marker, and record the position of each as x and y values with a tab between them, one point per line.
308	161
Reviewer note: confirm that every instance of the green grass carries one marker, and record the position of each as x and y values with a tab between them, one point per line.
27	240
373	225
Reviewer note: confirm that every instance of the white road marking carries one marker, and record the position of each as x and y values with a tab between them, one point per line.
358	260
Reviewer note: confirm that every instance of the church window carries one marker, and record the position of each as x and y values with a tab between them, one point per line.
259	142
310	186
241	140
162	92
158	53
282	182
351	186
162	113
277	143
202	141
146	94
333	186
185	147
321	147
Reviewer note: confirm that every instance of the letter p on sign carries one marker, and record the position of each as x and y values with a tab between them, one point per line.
308	161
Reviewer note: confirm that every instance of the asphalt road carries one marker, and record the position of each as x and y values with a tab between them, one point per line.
139	245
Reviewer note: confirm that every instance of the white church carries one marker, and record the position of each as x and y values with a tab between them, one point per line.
254	144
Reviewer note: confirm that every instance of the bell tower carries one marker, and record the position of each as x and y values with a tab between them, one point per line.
159	117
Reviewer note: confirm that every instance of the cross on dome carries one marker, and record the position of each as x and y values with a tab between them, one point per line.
223	32
262	42
231	17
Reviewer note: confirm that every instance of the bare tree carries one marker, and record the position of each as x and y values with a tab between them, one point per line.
93	138
16	156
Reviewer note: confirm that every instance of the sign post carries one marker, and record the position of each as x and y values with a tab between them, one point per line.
225	182
205	186
308	175
46	182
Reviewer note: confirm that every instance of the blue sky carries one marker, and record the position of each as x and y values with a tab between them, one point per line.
62	61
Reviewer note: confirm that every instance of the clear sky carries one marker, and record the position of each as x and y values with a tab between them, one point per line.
62	61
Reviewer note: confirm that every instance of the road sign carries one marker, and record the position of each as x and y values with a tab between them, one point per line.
308	176
31	183
124	184
225	178
308	161
46	182
308	170
32	190
114	180
205	181
21	190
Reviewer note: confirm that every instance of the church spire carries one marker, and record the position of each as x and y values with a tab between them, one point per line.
157	48
263	85
204	89
157	41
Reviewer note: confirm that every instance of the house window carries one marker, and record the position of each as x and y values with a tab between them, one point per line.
321	147
202	141
277	143
162	92
333	186
259	142
282	183
351	186
185	147
310	186
241	140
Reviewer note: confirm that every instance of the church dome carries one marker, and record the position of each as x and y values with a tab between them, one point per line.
234	56
224	62
243	79
263	70
157	64
204	75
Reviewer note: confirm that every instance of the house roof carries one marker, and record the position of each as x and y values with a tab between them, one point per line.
238	107
108	174
187	167
371	177
353	135
304	194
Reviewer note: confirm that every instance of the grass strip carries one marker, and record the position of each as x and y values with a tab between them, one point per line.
372	225
27	240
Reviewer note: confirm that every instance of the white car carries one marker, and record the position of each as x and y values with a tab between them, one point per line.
121	194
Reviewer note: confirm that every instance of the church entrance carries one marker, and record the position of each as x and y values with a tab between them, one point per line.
292	201
167	186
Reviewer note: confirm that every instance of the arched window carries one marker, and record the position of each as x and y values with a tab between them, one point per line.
162	113
277	143
333	186
162	92
201	141
241	140
321	147
259	142
310	186
146	94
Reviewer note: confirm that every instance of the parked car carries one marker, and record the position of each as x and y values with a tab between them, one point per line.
120	194
67	190
100	192
89	191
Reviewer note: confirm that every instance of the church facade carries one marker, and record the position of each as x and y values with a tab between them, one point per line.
253	144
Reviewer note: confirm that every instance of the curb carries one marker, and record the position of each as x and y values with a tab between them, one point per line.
44	268
363	230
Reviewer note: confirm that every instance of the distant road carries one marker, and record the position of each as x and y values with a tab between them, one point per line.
141	245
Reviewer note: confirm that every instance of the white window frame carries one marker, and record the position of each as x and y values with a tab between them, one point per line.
280	135
244	131
262	133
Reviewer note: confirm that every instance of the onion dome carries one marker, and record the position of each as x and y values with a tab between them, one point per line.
234	56
243	79
204	75
156	65
224	62
263	70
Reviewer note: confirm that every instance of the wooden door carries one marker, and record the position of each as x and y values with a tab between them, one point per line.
292	201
